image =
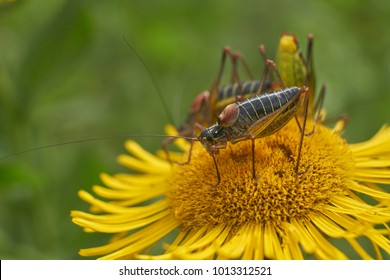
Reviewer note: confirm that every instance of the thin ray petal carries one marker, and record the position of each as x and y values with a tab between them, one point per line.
258	237
235	247
134	213
358	249
330	228
159	229
140	166
135	149
326	246
369	191
115	228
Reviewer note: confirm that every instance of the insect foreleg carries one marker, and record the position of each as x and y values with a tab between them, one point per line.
216	169
191	139
164	145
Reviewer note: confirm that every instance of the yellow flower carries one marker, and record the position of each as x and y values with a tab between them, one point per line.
281	215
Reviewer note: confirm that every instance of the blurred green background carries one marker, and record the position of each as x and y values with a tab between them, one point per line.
66	73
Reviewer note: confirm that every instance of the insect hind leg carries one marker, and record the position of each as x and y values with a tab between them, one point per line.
267	65
341	121
306	106
253	159
315	111
235	79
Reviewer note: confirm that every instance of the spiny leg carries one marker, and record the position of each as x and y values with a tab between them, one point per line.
310	74
226	51
253	159
264	76
245	65
164	145
263	53
195	126
214	89
320	102
238	56
235	79
317	109
269	63
216	169
189	155
302	129
169	140
309	59
277	74
306	104
341	121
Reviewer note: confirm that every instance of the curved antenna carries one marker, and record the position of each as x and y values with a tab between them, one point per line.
96	139
157	88
154	81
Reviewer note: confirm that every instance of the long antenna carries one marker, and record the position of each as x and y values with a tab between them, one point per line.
154	81
157	88
96	139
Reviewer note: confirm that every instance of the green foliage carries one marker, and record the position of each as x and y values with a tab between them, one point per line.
66	74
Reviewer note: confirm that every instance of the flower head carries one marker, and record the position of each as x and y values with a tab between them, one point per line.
281	215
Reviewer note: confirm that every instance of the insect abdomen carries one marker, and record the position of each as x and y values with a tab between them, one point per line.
227	94
260	106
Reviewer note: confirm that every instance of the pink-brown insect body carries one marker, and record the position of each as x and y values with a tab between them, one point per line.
255	117
204	113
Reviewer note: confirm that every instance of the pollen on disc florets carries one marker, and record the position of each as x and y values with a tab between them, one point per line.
278	194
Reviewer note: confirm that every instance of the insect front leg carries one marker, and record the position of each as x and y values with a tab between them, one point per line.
168	141
164	145
191	139
216	169
195	126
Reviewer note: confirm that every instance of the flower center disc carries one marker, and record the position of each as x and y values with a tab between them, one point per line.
278	194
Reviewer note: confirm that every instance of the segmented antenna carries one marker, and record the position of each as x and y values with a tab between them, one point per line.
154	81
96	139
157	88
